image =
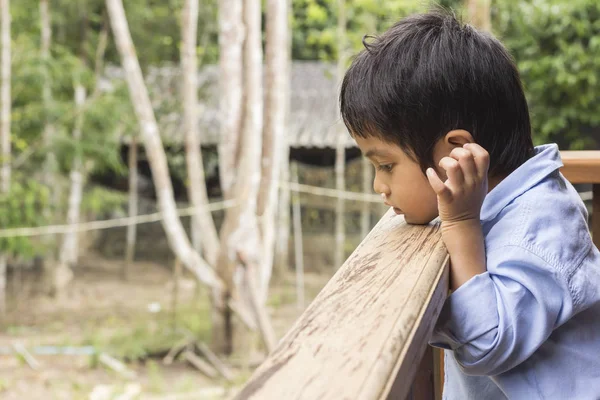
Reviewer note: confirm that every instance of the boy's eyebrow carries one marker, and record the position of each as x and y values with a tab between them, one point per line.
376	152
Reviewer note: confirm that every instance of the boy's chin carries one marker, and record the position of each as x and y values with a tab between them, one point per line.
411	220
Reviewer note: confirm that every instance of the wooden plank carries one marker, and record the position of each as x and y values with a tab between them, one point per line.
581	166
365	333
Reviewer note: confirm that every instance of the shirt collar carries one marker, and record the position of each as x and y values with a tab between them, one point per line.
545	161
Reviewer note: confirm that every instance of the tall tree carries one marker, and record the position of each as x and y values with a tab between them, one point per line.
176	236
340	153
240	232
231	39
276	106
70	246
204	233
5	107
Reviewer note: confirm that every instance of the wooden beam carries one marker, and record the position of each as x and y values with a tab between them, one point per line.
581	166
365	333
584	167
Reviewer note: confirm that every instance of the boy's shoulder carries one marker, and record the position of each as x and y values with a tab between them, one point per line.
549	220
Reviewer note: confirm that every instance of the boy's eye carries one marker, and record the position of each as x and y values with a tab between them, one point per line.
385	167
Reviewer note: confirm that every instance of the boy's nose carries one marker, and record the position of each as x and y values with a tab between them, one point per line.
380	188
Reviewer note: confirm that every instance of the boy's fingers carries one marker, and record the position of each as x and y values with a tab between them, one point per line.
453	170
482	158
437	185
467	163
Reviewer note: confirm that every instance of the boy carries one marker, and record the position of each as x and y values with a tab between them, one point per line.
439	110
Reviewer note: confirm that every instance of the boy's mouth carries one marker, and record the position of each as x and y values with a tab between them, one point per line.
396	209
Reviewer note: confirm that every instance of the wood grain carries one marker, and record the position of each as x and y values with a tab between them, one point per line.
581	166
584	167
365	334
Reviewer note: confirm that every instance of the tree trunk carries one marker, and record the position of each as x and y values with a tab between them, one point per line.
133	206
276	99
5	107
240	234
298	242
231	40
176	236
69	251
283	217
479	14
51	164
204	233
340	154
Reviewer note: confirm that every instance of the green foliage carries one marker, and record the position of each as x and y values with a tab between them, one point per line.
99	200
21	207
556	44
145	335
314	24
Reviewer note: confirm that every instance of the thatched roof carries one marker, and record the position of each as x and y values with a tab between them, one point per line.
313	120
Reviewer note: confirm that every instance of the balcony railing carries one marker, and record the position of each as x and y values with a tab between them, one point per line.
365	335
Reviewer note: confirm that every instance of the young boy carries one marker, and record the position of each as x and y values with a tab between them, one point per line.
439	110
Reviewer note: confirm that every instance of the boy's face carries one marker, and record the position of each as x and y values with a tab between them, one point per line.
400	180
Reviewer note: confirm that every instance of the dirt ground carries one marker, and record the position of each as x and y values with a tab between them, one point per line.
130	320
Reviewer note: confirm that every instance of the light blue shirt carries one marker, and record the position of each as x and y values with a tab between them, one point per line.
529	327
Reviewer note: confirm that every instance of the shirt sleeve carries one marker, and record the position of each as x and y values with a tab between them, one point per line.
497	319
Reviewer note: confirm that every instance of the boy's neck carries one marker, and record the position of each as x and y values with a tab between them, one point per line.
494	181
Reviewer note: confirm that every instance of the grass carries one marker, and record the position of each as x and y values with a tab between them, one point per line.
143	335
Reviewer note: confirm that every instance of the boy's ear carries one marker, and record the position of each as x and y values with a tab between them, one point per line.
458	138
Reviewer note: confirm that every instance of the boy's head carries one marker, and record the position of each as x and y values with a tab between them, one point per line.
429	84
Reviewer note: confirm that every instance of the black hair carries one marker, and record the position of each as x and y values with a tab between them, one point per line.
429	74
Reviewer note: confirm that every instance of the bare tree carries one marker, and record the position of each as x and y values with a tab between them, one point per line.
340	154
5	107
69	250
231	39
276	99
479	13
240	232
176	236
204	233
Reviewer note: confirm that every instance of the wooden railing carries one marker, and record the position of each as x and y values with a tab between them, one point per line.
584	167
365	335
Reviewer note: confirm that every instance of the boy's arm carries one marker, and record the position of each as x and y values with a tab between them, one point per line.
493	322
459	202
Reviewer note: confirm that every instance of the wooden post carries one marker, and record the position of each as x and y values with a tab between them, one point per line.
298	245
133	207
424	384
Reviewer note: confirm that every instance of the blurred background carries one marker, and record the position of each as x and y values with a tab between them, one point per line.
176	184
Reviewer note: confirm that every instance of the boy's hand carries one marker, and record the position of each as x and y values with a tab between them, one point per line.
460	197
